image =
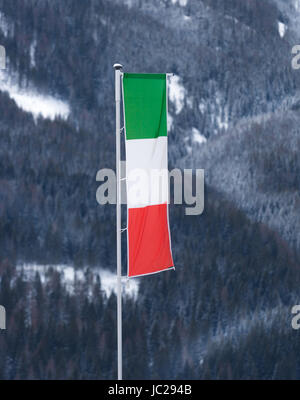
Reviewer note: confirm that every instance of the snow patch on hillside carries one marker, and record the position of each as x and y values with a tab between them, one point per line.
32	53
220	113
71	276
202	107
30	100
197	137
5	25
282	28
182	3
177	93
129	3
170	122
222	124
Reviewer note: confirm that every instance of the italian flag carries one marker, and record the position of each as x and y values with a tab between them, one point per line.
145	114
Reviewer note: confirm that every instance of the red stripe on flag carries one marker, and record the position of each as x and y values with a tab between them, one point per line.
149	240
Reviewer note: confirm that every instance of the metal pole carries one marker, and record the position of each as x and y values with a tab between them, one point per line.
118	68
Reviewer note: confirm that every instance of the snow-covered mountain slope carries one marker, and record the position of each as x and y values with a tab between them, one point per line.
30	99
72	278
256	165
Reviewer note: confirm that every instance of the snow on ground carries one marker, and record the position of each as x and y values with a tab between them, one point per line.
187	141
31	100
222	124
220	113
5	25
188	149
70	275
281	29
32	53
202	107
182	3
197	137
109	283
129	3
176	93
170	122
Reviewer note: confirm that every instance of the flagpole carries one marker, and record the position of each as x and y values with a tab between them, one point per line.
118	68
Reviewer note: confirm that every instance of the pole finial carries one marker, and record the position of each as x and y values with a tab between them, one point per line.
118	66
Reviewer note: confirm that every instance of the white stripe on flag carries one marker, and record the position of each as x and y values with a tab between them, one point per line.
147	172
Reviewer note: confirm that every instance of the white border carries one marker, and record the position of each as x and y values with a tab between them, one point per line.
170	243
151	273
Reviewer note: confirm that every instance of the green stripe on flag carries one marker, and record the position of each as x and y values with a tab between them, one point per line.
145	105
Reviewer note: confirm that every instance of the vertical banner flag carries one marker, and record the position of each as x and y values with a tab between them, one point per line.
145	114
